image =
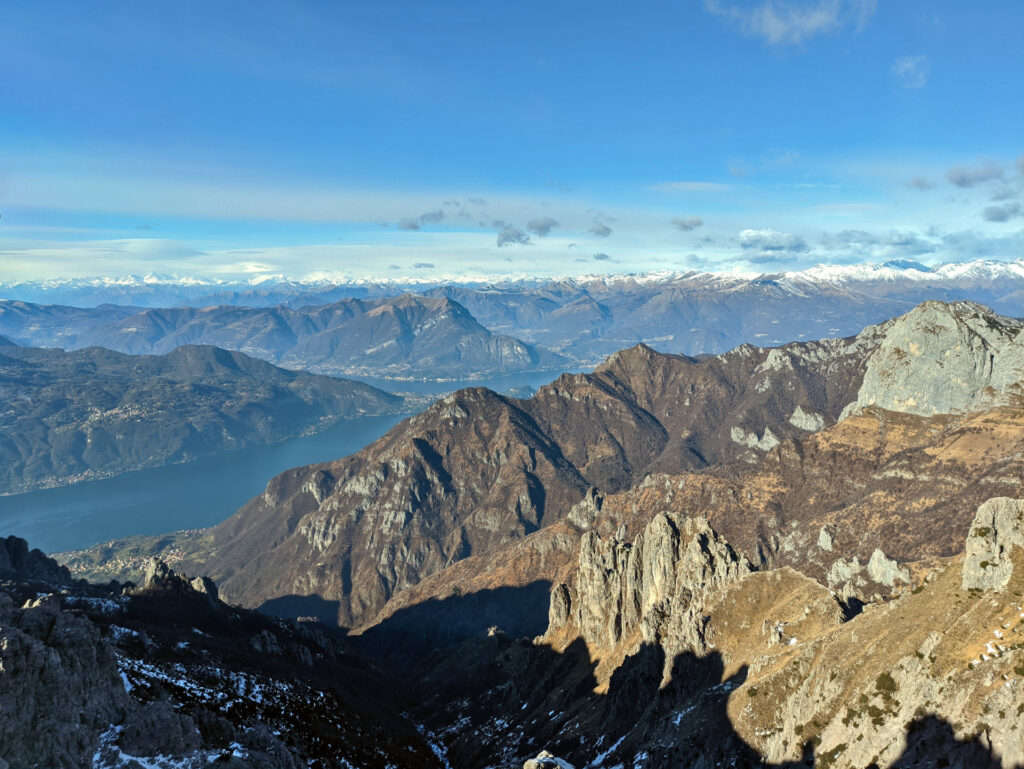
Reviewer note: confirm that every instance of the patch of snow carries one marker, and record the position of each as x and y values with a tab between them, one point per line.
435	746
597	762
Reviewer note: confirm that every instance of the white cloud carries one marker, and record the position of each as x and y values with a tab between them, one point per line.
772	241
863	245
779	22
254	268
911	71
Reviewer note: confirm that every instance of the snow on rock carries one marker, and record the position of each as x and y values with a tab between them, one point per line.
545	759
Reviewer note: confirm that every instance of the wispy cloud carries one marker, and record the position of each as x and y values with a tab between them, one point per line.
920	183
432	217
687	223
964	176
1001	213
689	187
911	71
541	226
600	229
408	225
512	236
779	22
772	241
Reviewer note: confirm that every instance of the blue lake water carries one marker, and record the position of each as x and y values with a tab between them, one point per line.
195	494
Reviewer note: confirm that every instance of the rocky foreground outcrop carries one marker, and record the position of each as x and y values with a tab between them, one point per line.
166	676
59	685
18	562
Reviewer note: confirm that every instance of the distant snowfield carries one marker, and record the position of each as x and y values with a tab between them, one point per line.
161	290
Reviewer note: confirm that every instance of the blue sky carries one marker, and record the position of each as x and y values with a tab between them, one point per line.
544	138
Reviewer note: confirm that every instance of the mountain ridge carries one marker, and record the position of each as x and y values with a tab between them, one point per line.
407	336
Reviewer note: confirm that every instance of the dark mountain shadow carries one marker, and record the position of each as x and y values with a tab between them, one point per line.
411	635
499	698
932	743
288	606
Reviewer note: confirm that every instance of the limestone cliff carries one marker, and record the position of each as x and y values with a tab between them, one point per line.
653	590
944	358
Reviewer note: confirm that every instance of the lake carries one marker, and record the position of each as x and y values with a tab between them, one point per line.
195	494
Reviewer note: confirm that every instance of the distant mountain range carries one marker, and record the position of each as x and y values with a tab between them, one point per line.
154	290
70	416
455	330
407	336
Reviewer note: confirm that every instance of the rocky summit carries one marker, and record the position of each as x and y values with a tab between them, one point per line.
809	555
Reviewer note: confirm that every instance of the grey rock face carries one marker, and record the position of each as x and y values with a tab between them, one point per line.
157	576
155	729
807	420
825	539
654	587
205	585
945	358
886	571
852	578
59	686
997	529
765	442
584	512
